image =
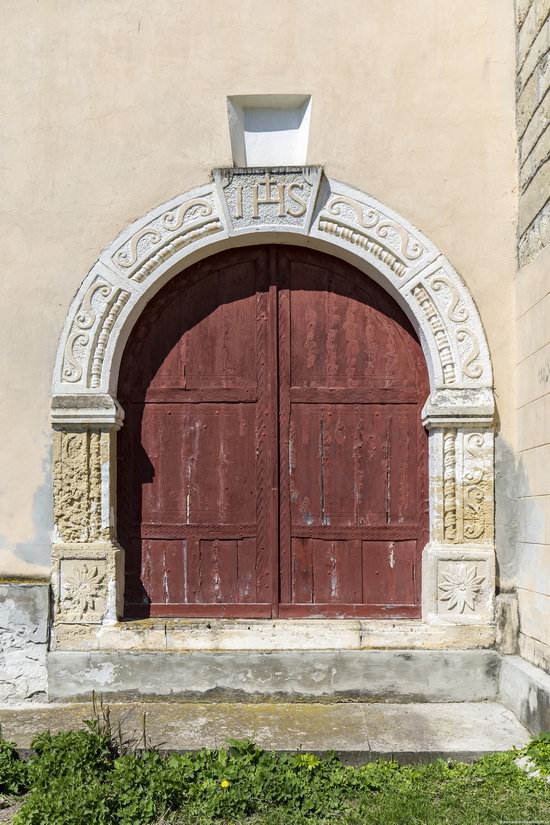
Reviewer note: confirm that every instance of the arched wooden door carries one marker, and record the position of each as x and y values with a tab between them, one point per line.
273	461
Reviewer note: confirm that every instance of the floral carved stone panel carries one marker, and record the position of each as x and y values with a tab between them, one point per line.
82	588
458	583
459	586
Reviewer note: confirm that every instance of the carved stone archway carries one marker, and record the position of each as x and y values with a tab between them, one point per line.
247	206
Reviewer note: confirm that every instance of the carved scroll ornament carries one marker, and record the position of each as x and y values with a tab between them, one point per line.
77	486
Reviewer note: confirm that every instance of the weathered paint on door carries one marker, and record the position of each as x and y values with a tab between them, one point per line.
272	460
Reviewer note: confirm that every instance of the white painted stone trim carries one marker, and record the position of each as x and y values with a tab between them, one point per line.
295	205
344	221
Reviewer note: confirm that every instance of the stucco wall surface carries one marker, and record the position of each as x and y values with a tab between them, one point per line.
114	108
533	329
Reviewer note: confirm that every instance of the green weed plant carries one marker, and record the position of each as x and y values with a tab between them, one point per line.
86	777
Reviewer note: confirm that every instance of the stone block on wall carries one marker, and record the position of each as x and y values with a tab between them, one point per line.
534	610
534	129
507	623
522	9
534	376
533	111
534	424
531	24
534	519
534	651
536	237
536	51
534	568
534	329
535	197
536	159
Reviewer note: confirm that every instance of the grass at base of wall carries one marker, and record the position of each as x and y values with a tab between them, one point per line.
85	778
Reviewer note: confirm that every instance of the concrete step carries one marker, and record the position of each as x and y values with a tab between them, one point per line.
357	732
288	675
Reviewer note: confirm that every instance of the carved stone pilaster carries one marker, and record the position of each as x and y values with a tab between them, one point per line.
88	571
458	567
476	480
449	486
83	485
463	485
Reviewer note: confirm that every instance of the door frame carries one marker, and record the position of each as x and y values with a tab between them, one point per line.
249	206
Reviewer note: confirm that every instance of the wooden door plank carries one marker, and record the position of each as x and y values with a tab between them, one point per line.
302	571
286	437
337	571
272	415
388	572
253	585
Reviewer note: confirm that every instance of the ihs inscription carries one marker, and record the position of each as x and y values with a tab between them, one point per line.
268	197
268	191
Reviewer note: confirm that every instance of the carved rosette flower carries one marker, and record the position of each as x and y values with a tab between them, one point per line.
460	586
83	590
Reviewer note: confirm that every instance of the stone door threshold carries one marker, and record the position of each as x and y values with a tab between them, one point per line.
271	634
358	732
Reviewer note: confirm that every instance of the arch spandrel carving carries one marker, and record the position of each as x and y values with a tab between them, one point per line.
301	206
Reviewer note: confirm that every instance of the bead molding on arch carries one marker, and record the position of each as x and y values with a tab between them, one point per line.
288	205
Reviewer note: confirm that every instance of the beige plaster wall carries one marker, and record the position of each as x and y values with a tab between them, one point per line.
533	330
115	107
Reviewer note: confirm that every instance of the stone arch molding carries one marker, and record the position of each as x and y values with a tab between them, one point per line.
287	205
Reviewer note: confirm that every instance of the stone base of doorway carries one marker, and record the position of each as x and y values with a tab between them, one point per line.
284	676
357	732
373	676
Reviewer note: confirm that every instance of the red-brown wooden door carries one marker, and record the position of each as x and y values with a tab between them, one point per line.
272	460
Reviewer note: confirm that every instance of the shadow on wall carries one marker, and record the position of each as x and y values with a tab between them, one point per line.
38	549
507	484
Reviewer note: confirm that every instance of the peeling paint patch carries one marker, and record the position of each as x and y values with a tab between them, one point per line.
23	641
